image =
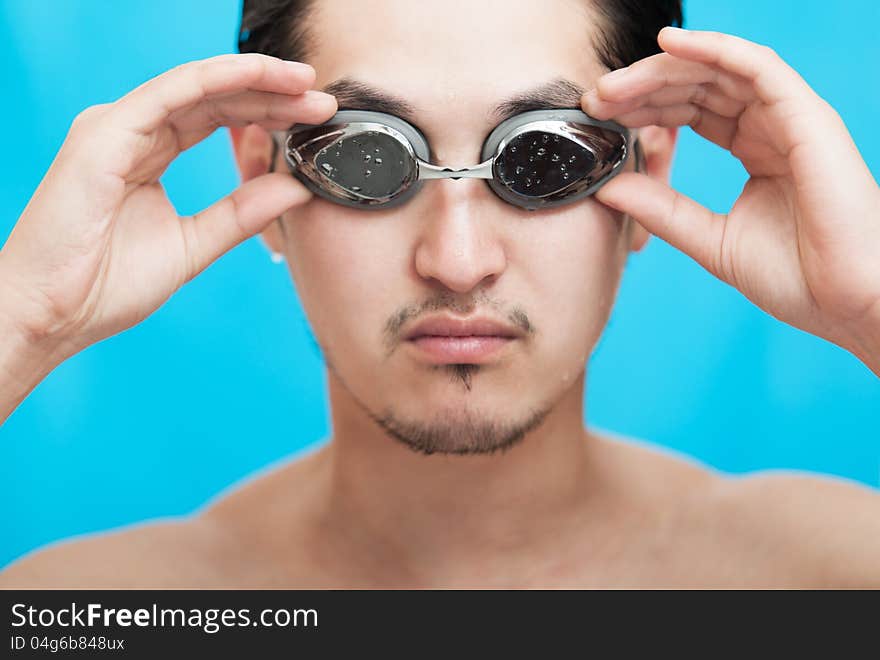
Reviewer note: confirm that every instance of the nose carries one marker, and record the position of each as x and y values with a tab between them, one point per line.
459	245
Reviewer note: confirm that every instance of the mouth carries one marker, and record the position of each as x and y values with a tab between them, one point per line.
468	349
447	339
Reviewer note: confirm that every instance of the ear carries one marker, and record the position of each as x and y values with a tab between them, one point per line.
658	147
253	154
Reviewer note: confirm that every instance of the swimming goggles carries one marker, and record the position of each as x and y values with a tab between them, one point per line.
534	160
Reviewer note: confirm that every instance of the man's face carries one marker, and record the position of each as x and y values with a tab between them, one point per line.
366	277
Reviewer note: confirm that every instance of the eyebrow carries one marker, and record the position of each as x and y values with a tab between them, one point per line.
357	95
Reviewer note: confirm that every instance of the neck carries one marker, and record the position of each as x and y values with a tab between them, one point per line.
432	515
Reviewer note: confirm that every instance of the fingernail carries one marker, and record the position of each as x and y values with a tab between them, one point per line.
591	102
616	75
322	98
300	67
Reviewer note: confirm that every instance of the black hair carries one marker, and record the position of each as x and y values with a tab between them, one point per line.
275	27
627	28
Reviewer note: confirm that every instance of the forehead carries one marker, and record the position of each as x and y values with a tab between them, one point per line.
453	58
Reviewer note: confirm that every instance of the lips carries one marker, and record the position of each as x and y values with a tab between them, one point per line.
445	339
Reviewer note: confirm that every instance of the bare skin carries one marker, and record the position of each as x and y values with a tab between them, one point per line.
682	526
565	506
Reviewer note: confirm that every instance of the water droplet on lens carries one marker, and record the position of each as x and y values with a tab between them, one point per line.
537	180
531	159
562	167
556	138
545	138
368	172
513	149
337	154
542	151
528	183
356	188
519	169
376	149
327	167
378	161
572	159
565	175
555	158
367	158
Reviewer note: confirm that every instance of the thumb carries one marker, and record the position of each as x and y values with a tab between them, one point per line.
676	218
248	210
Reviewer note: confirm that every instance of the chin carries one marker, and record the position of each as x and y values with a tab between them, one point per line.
459	430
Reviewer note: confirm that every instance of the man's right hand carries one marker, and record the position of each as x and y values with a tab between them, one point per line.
99	246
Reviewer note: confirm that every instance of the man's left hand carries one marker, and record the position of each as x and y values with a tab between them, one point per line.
802	240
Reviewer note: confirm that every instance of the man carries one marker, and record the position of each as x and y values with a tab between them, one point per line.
458	466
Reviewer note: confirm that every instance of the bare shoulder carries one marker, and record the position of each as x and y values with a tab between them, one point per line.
169	553
782	528
826	528
658	473
226	543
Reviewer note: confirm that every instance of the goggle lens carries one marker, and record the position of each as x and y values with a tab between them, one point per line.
368	164
536	163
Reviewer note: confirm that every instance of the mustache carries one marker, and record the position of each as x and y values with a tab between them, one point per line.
391	332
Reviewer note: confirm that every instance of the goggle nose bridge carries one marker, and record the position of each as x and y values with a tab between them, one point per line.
481	171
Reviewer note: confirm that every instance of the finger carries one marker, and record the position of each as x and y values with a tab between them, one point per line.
712	126
707	95
772	79
677	219
110	139
662	70
809	130
148	106
273	112
238	216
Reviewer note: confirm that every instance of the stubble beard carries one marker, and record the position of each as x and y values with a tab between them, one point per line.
457	430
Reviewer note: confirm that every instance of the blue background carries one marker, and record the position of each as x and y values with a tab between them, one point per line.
224	380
